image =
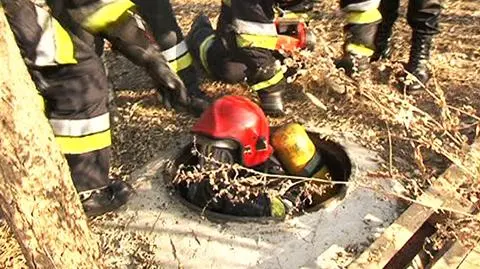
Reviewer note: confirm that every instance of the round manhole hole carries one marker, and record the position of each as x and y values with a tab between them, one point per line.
250	210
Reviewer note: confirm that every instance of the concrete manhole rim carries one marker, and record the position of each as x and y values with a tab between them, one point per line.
213	216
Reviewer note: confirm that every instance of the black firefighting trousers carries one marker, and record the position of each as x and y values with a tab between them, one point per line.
243	45
362	20
422	15
72	81
160	18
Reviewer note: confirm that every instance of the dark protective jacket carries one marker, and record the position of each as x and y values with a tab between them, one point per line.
58	45
73	83
244	45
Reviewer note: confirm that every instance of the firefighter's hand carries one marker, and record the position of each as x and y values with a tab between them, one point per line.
170	87
127	37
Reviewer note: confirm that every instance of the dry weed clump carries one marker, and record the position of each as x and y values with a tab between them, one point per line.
440	131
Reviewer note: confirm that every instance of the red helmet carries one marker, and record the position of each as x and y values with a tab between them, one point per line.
238	118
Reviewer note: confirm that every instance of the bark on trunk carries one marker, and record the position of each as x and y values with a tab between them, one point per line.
37	196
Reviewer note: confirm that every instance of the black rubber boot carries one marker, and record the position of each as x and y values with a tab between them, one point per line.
352	64
383	45
271	102
359	46
418	61
200	30
108	199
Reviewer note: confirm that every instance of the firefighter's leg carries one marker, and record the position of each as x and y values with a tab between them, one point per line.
210	48
361	26
225	65
423	18
389	10
225	19
159	16
76	106
256	38
75	94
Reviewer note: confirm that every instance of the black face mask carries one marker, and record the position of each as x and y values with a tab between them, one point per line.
214	152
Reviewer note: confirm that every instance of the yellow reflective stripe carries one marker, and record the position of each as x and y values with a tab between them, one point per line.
84	144
181	63
227	2
203	51
258	41
64	50
363	17
360	50
106	15
267	83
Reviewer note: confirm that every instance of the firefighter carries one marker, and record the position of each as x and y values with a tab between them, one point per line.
243	47
362	20
422	16
234	130
58	48
160	18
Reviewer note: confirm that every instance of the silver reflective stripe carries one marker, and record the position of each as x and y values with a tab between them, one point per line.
46	48
176	51
80	127
363	6
254	28
138	20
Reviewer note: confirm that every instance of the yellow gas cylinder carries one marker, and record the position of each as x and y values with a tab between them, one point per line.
293	147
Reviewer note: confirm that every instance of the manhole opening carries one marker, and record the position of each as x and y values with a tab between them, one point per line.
335	159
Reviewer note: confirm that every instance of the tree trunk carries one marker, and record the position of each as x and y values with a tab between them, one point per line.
37	196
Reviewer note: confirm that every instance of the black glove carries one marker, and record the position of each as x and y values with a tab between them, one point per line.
129	39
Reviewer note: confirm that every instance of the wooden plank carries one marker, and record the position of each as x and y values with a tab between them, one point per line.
396	235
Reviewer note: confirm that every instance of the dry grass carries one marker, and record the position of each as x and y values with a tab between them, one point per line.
432	126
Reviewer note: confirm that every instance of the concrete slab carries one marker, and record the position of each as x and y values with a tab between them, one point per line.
323	239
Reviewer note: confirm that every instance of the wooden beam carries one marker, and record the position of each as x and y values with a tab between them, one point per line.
396	235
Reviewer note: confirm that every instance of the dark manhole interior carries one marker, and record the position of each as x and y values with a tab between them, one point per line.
336	160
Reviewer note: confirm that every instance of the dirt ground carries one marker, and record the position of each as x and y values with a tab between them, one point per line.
144	128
